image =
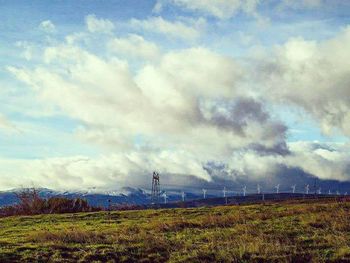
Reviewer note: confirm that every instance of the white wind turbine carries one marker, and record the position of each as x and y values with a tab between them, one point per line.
277	188
258	188
244	190
224	191
204	193
293	188
307	188
165	197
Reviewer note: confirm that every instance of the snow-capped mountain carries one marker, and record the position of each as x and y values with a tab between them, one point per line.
98	197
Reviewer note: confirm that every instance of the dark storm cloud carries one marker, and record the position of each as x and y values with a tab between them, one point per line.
238	114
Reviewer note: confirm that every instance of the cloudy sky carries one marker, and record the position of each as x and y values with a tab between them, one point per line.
98	93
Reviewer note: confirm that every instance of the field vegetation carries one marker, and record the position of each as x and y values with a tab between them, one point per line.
274	232
30	203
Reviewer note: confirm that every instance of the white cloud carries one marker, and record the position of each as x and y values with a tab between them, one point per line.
134	46
314	76
326	161
95	24
168	93
105	172
47	26
75	38
301	4
222	9
28	49
181	109
188	107
173	29
187	71
6	125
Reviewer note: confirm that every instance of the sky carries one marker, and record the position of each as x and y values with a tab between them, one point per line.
98	94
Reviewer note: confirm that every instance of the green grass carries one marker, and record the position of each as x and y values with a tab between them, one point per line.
284	232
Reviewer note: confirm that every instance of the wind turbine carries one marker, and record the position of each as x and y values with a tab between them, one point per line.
307	188
165	198
244	190
293	188
224	191
183	196
258	188
204	193
277	188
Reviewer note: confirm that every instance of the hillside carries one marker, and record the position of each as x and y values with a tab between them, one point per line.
280	232
142	197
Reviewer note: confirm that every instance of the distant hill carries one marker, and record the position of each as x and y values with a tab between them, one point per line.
126	195
138	196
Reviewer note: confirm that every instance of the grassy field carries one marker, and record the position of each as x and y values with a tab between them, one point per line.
284	232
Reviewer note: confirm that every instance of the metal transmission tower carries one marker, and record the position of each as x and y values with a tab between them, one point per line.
155	188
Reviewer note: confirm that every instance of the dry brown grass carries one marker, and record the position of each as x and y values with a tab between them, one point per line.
318	232
70	236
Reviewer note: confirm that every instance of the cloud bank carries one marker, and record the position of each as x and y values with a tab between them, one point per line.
189	111
314	76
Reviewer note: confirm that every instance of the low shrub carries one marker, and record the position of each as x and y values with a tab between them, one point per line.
30	203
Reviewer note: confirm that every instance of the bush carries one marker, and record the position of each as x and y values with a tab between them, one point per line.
30	203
